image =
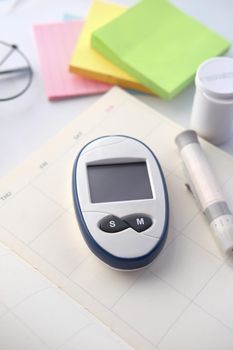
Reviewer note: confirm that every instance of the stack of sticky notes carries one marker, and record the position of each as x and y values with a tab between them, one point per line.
55	43
158	44
155	43
151	47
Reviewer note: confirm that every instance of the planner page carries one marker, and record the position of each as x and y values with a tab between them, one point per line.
41	317
183	300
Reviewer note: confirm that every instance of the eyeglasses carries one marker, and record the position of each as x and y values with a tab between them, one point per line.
15	72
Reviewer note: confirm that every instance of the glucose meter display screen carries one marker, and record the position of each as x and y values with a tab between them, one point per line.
119	182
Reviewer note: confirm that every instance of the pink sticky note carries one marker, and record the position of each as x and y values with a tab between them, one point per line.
55	43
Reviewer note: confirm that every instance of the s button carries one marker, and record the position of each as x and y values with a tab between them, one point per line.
112	224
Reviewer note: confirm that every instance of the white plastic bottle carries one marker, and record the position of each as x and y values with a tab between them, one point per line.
212	114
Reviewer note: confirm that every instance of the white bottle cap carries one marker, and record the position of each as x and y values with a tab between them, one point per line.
212	114
215	77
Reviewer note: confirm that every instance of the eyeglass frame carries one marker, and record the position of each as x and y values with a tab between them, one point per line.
29	68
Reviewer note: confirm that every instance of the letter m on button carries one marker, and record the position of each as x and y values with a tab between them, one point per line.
140	221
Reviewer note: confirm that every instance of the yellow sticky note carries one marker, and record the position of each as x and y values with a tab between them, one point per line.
88	62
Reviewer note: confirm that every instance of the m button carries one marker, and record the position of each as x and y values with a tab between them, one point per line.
139	222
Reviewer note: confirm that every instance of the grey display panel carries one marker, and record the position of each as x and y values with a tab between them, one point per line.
119	182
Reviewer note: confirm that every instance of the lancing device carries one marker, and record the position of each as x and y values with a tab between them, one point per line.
205	189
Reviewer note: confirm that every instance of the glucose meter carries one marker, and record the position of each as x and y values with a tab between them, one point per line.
121	202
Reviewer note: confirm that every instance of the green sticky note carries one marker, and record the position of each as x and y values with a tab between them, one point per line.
159	45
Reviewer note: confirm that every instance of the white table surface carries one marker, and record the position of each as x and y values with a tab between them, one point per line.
30	121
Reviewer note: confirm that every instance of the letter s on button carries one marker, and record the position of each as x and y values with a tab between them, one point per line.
112	223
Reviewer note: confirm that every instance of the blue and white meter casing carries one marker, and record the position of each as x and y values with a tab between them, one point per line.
121	202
